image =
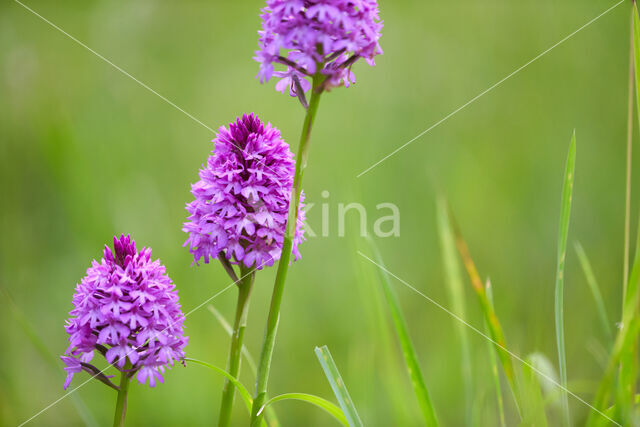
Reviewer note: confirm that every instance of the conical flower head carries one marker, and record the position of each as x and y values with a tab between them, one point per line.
126	308
241	201
307	36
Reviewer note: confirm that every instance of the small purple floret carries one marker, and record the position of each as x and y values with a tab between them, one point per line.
242	197
72	366
322	35
126	307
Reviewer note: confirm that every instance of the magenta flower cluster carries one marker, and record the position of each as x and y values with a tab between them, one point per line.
307	36
127	309
242	197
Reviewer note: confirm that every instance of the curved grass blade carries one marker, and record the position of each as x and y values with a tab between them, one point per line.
409	353
595	290
246	396
456	293
565	214
495	329
321	403
337	385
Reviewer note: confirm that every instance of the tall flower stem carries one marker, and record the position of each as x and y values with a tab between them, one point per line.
247	277
283	265
627	199
121	403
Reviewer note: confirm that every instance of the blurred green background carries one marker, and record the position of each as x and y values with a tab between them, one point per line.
86	153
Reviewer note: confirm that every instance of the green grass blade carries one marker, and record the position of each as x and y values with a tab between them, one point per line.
494	362
83	411
246	396
338	386
611	412
626	342
623	358
565	214
409	353
636	54
626	336
634	71
456	294
627	375
628	372
595	290
390	388
321	403
628	350
495	328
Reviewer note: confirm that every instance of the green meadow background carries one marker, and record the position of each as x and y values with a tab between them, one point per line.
86	153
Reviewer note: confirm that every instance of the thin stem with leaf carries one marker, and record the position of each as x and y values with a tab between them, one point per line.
565	214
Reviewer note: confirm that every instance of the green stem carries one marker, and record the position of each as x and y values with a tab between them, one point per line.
121	403
627	199
237	337
283	265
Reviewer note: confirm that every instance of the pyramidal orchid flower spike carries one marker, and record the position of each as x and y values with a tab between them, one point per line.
325	36
126	308
242	198
239	215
